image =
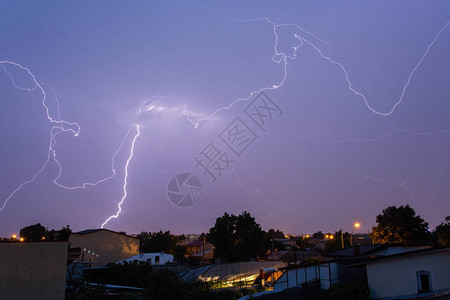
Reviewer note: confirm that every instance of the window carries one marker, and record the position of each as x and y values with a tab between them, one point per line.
157	259
423	281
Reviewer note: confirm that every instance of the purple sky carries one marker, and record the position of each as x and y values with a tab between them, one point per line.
336	155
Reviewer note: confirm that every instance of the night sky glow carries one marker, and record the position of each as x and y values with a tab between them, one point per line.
104	102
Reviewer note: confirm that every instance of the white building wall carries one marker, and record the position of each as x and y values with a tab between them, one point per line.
328	275
306	274
397	276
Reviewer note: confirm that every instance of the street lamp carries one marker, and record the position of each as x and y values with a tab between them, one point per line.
356	225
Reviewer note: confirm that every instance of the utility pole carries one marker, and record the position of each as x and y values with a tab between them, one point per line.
272	248
204	246
342	238
295	263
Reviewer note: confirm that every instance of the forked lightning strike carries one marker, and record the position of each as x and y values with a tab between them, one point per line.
125	180
61	126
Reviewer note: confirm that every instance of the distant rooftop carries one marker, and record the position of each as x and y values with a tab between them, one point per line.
88	231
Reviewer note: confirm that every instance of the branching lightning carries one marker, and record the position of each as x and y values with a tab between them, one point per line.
279	57
305	38
60	126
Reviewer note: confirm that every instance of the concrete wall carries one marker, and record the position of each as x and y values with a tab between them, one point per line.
104	246
397	276
33	270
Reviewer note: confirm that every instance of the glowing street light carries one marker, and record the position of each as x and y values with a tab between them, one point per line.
355	225
21	239
14	236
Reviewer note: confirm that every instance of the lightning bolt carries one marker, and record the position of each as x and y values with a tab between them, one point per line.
279	57
60	126
125	180
349	83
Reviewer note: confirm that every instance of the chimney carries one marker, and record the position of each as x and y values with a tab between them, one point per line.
357	250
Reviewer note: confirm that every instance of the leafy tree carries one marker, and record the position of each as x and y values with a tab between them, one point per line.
336	243
319	235
33	232
237	238
222	236
275	234
152	242
37	232
60	235
399	225
442	232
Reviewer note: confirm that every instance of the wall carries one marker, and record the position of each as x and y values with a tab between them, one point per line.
397	276
109	246
33	270
306	274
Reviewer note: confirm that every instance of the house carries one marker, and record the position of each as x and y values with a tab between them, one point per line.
102	246
286	242
410	275
317	243
198	247
150	258
322	274
344	265
33	270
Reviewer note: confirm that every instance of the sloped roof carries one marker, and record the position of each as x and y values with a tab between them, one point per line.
229	270
193	275
350	251
88	231
197	243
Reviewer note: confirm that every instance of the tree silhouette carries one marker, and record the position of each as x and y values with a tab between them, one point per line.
442	232
399	225
237	238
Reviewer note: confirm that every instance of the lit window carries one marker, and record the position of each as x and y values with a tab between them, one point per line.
423	281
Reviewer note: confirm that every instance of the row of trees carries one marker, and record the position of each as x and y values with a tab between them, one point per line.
240	238
38	232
